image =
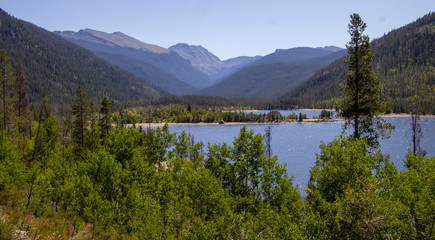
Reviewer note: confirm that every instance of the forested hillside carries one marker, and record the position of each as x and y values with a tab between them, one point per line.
150	73
404	62
273	74
265	80
56	67
295	55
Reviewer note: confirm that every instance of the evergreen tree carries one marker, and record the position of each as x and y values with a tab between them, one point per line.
22	105
300	119
7	94
268	140
44	114
105	120
417	133
360	102
189	108
81	112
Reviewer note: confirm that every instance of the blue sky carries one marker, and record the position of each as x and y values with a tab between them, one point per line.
227	28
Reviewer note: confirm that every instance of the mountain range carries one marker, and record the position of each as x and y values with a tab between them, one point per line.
208	63
56	67
404	61
180	69
155	64
187	69
130	71
274	74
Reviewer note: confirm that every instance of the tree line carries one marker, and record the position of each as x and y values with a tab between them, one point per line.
108	183
84	177
197	114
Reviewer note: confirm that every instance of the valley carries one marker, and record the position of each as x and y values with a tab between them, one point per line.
105	136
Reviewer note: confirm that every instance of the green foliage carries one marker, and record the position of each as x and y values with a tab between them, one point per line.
105	122
10	167
253	179
325	114
403	61
81	109
179	114
50	138
135	184
7	80
127	183
157	145
155	184
354	194
418	194
341	164
360	102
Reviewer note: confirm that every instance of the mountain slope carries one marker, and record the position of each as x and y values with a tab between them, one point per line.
150	73
199	57
115	39
293	55
56	67
270	78
208	63
112	46
404	62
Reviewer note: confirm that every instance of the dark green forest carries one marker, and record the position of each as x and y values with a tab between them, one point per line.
404	63
56	67
196	114
81	176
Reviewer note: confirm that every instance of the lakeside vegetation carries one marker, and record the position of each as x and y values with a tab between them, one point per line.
118	183
197	114
80	174
75	176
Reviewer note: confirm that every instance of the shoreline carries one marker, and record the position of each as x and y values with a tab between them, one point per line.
309	120
405	115
234	123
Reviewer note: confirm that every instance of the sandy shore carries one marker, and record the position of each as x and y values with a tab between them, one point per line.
264	123
404	115
231	123
313	109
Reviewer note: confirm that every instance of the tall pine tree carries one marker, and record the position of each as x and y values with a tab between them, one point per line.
22	104
360	102
7	80
81	111
44	114
105	121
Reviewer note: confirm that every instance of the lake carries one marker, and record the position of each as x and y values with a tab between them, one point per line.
297	144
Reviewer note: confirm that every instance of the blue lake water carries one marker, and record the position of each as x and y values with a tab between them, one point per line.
297	144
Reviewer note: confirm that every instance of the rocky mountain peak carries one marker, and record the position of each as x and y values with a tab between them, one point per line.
200	57
207	62
112	39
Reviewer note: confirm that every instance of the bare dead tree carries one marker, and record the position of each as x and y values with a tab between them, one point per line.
267	141
417	133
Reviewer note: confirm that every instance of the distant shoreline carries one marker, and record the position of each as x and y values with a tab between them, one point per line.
234	123
310	120
405	115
